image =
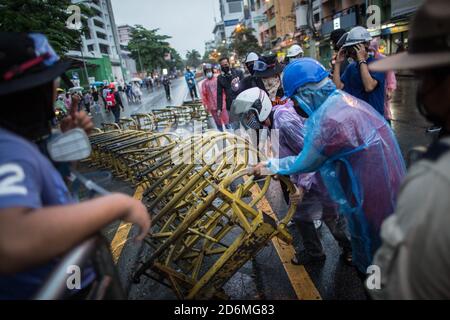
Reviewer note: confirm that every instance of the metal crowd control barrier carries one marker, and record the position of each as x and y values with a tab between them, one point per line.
203	202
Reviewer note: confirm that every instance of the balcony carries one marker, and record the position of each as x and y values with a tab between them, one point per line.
345	19
272	22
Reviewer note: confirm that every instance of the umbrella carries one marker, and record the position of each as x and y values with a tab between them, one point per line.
97	84
136	79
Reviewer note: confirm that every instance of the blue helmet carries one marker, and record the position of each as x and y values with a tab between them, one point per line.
301	72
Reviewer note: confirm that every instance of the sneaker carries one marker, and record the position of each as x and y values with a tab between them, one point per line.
304	258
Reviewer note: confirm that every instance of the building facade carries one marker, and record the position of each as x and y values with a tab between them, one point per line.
124	32
232	14
100	45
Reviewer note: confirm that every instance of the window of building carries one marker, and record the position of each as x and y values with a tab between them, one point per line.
316	17
101	35
90	47
104	49
234	6
99	24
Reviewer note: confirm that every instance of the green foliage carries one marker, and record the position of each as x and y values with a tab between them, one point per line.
193	58
148	47
243	42
45	16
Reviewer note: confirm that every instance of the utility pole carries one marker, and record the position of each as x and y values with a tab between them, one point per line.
82	57
140	61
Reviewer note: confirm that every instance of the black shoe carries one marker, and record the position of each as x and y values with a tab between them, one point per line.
303	258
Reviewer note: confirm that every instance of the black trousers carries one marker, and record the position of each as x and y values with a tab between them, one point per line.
116	112
193	92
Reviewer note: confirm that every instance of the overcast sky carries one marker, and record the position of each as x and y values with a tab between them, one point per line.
189	22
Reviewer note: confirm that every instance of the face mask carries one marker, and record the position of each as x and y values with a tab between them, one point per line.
209	75
226	69
272	85
371	54
250	68
250	121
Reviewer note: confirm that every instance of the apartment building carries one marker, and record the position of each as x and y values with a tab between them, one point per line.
100	45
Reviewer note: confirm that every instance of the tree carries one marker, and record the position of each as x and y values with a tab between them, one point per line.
47	17
244	41
193	58
149	48
214	55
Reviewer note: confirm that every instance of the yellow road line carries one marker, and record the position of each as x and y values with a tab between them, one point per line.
301	282
121	235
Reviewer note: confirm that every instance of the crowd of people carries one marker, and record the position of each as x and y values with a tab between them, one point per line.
335	144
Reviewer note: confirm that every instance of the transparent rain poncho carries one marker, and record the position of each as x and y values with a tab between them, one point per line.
291	135
359	160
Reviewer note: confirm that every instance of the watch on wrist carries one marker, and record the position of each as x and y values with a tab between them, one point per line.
360	62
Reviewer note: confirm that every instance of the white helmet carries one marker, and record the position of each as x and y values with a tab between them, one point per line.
294	51
357	35
253	99
251	57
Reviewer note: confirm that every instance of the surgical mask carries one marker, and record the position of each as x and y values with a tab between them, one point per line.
271	85
250	68
250	121
209	75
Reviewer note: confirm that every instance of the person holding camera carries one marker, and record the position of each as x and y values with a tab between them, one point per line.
357	80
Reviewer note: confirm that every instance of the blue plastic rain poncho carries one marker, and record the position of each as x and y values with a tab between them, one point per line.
358	157
291	136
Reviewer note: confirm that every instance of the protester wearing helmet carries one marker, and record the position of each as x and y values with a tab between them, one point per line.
352	147
337	39
295	52
250	60
209	97
269	70
414	257
251	81
357	80
257	111
39	221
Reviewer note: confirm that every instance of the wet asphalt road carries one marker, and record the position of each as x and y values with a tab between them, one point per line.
264	277
150	100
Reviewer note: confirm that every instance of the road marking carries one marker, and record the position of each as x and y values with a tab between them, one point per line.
298	276
121	235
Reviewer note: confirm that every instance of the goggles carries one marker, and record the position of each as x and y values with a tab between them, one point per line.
262	66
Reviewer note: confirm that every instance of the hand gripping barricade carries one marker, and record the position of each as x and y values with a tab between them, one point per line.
203	202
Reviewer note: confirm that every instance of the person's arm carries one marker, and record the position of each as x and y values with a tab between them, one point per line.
369	83
29	237
219	96
337	69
